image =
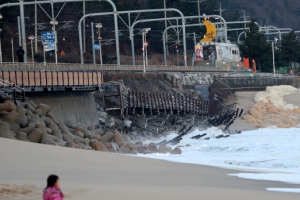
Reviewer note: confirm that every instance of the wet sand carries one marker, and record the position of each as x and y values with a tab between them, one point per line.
85	174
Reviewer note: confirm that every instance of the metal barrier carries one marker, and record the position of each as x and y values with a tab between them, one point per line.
8	66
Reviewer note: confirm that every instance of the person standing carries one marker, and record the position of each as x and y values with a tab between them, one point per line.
20	54
53	191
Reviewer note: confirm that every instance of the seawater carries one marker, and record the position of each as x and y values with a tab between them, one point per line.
273	153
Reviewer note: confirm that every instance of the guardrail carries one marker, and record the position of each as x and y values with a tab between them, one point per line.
7	66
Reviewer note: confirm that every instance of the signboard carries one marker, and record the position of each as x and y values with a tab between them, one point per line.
96	47
146	44
49	46
48	36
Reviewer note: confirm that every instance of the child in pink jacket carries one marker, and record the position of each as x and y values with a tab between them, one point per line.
53	191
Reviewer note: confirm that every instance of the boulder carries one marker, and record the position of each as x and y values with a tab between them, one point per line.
67	137
39	112
52	126
124	150
255	114
127	138
50	114
21	110
247	117
130	146
98	132
8	106
9	135
107	137
4	128
45	108
134	152
91	128
152	147
49	131
97	145
23	123
27	130
254	121
22	136
57	133
48	121
113	150
52	137
15	128
49	142
32	104
35	136
97	137
11	117
176	150
118	139
42	127
70	144
163	150
79	134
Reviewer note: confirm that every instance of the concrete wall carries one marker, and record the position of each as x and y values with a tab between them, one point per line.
69	106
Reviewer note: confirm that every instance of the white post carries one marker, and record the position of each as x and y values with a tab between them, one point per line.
143	39
32	52
44	54
35	28
12	50
273	58
146	51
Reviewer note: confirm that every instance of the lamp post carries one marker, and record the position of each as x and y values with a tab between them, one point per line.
54	23
99	26
31	38
144	32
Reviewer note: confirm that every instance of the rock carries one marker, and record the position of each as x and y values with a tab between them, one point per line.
42	127
98	132
12	117
57	133
15	128
67	137
124	150
30	107
49	131
28	112
98	146
108	145
107	137
79	140
56	120
176	150
52	126
70	144
39	112
274	110
52	137
79	134
48	121
255	114
126	138
45	108
97	137
4	128
139	143
34	118
9	135
49	142
23	123
112	150
296	110
152	147
27	130
91	128
101	120
21	110
130	146
50	114
32	104
163	150
134	152
254	121
64	129
22	136
35	136
8	106
118	139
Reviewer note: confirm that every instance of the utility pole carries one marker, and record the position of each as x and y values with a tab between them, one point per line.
84	45
166	25
35	27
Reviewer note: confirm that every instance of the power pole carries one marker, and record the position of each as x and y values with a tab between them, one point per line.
84	45
35	28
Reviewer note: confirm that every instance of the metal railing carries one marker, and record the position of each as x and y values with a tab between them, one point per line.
9	66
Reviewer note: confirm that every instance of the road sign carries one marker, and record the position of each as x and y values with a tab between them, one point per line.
48	36
49	46
146	44
96	47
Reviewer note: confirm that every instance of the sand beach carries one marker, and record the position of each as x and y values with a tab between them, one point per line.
88	174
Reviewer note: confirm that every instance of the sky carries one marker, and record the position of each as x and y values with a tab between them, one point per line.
273	152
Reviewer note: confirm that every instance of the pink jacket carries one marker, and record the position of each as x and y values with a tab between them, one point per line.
53	193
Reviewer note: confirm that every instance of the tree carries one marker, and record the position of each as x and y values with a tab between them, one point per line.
289	47
255	46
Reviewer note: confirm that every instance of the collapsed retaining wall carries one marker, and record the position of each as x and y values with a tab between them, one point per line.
77	107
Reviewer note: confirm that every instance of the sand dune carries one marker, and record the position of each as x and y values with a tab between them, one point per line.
85	174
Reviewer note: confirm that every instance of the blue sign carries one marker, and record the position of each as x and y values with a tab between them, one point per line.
48	36
96	47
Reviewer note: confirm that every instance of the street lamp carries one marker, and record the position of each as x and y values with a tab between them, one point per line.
54	23
99	25
31	38
145	44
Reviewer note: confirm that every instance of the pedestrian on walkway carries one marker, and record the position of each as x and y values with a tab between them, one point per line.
20	54
53	191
